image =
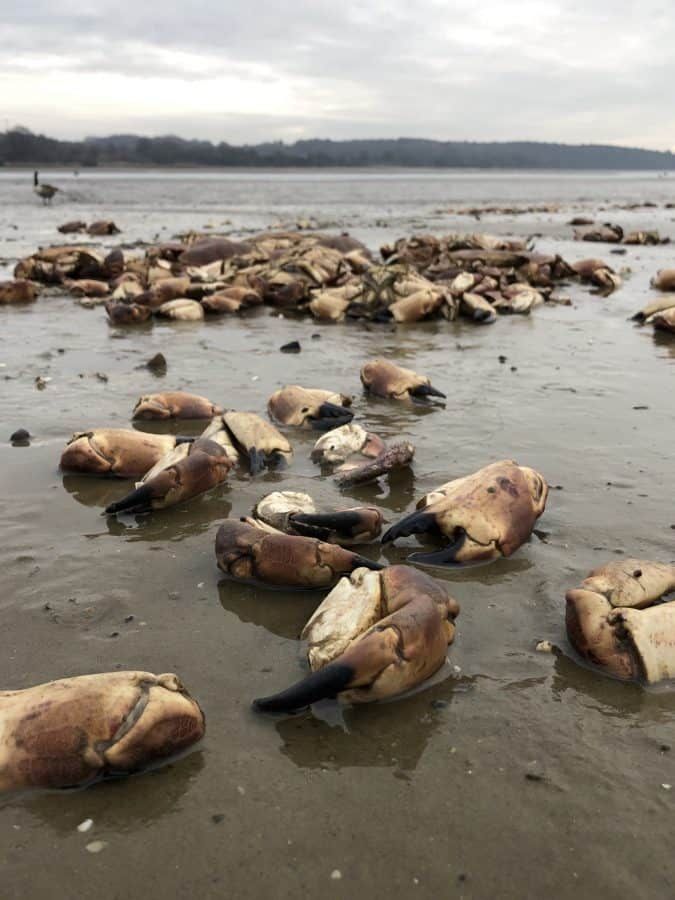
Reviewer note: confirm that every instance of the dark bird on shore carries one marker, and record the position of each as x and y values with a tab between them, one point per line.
44	191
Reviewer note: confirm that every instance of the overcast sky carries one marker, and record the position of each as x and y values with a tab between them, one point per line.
557	70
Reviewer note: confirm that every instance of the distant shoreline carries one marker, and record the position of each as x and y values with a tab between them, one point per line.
375	169
20	147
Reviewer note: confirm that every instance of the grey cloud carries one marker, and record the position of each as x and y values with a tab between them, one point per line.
553	69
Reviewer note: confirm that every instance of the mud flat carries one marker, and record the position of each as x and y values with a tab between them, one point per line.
515	773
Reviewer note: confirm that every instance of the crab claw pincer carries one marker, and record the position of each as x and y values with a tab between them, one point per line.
175	405
309	408
74	731
483	516
249	553
295	513
203	465
376	635
260	442
615	622
385	379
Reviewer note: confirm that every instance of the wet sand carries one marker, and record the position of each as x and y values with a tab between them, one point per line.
517	773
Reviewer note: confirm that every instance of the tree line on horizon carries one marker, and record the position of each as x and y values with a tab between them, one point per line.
19	146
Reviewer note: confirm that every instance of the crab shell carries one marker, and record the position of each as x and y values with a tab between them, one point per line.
476	307
331	304
230	300
385	379
261	442
203	465
487	514
612	621
181	310
175	405
295	513
658	306
295	405
376	635
17	291
398	456
664	280
71	732
115	451
164	291
665	321
417	306
120	313
341	443
88	287
248	553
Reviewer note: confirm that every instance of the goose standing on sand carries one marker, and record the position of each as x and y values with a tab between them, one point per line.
44	191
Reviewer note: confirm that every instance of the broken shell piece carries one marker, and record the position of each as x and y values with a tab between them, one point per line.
376	635
485	515
612	620
74	731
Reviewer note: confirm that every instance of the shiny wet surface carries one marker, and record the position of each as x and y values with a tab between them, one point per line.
515	773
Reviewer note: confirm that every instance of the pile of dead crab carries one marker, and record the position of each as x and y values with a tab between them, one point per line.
380	631
332	278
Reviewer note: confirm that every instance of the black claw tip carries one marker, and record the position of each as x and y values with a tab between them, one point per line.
330	415
427	390
257	460
137	500
416	523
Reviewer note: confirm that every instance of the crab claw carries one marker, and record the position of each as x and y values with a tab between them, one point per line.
347	526
385	379
120	313
376	635
340	443
250	553
665	321
309	407
115	451
260	442
203	465
175	405
295	513
615	620
484	515
426	390
74	731
398	456
423	522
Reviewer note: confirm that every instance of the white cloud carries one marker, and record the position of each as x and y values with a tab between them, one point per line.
530	69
